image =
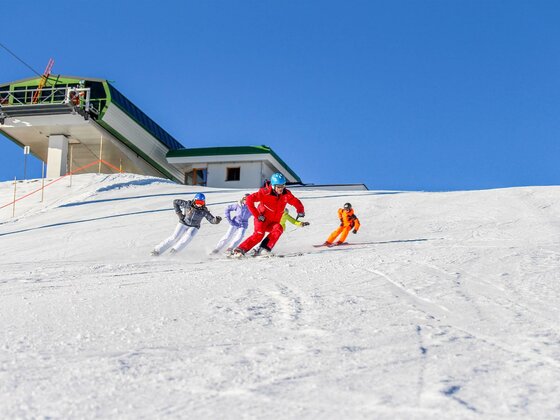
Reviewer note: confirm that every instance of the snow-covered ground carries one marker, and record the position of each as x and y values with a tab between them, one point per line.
447	308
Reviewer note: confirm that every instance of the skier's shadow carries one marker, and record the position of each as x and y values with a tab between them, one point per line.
390	242
353	245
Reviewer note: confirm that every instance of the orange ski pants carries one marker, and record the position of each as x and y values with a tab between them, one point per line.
345	230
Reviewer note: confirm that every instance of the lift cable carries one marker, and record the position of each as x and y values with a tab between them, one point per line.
20	60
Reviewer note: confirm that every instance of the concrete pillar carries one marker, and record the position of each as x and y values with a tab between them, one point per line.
58	156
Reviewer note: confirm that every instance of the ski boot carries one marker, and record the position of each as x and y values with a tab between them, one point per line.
261	251
237	253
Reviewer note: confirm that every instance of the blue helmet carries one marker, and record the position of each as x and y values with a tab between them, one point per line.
200	196
277	179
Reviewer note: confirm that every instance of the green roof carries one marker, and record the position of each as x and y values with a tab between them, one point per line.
230	150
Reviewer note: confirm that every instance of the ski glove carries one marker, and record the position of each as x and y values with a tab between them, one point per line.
181	217
303	224
302	214
218	219
354	231
261	218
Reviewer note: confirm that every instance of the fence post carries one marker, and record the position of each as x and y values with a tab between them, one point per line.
100	154
26	151
71	152
42	181
14	206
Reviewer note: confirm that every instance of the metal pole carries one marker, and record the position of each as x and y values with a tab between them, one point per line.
42	181
71	153
100	154
26	151
120	166
14	206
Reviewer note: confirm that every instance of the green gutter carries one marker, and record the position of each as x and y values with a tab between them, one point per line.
108	100
35	82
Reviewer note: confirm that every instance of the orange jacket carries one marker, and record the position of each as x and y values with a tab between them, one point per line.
348	219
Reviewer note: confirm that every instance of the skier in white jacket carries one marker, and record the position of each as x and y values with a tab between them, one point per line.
237	215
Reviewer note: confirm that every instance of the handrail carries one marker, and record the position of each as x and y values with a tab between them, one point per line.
75	96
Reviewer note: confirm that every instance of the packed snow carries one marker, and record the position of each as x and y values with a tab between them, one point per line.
444	305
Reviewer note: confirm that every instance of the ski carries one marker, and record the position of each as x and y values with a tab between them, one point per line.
264	257
293	254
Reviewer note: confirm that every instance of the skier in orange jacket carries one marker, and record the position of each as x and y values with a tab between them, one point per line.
348	222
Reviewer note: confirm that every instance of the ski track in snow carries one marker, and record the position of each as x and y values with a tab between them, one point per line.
446	306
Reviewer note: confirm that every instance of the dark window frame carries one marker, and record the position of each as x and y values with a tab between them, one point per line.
233	173
196	176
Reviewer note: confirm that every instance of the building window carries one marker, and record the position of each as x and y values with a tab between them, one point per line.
196	177
233	174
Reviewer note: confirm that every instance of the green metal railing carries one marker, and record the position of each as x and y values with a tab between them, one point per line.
72	96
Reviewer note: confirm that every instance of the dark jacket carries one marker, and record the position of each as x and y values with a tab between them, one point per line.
191	215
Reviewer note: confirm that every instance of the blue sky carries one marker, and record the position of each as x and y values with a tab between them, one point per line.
410	95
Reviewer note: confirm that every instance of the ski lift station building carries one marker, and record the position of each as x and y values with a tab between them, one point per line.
81	125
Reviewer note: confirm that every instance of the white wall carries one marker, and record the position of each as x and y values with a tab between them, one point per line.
135	133
267	171
251	175
57	156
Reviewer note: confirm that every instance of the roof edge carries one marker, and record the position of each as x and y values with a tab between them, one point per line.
28	79
231	150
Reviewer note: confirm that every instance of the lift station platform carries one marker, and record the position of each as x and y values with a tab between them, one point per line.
74	121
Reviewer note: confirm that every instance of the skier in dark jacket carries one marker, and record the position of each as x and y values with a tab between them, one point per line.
190	213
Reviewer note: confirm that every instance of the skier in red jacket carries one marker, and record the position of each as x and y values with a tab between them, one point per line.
272	201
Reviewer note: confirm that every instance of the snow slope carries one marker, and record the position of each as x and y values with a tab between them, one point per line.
449	308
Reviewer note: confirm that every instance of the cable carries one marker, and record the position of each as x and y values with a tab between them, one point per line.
49	79
20	60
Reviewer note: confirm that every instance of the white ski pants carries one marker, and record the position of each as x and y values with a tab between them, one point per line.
179	239
233	236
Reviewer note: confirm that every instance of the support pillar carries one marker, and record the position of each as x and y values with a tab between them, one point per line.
58	156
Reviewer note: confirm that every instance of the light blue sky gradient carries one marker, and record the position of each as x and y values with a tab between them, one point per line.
409	95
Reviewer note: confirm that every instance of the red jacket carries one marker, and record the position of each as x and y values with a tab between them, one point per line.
272	205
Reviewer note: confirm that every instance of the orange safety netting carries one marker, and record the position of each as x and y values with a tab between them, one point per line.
62	177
